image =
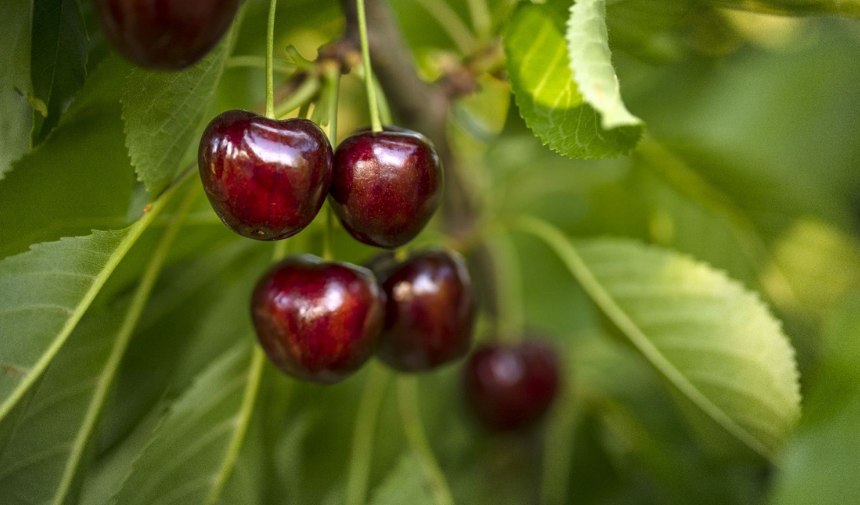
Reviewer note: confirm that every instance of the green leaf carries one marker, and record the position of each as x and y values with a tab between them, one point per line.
45	447
163	112
715	342
208	422
591	63
405	484
78	179
17	19
45	293
55	435
58	60
15	124
547	94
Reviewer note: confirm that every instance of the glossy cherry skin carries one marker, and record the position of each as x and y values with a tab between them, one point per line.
511	387
386	186
317	321
266	179
429	312
165	34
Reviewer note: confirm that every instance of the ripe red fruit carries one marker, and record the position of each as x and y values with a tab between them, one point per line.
165	34
266	179
386	186
511	387
317	321
430	310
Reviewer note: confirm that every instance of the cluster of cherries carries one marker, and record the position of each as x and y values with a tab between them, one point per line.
321	321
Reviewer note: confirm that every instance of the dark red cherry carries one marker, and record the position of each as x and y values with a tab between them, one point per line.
429	313
386	186
266	179
317	321
511	387
165	34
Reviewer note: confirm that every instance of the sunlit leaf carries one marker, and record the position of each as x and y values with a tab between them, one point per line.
547	94
591	63
715	342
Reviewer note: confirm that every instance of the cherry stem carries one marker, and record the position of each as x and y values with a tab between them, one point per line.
303	94
410	413
328	235
481	18
362	438
332	74
451	23
510	303
375	122
270	57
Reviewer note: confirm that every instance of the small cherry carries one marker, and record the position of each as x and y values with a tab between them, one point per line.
386	185
266	179
165	34
430	310
511	387
317	321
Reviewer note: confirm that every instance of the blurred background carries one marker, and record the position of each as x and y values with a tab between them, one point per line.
749	163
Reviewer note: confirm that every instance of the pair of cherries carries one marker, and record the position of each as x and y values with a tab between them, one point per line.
322	321
267	179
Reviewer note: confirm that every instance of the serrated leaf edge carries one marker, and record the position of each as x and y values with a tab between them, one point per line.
566	251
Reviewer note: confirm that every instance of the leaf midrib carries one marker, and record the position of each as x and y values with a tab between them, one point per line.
604	301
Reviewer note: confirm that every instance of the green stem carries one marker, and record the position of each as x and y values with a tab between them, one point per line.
559	439
362	438
384	108
332	75
248	61
450	21
328	236
302	95
481	20
246	411
375	122
506	264
407	399
123	337
280	250
270	56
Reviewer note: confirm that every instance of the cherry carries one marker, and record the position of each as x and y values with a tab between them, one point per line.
386	186
511	387
266	179
165	34
317	321
430	311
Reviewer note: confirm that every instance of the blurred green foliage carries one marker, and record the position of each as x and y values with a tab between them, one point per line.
748	164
